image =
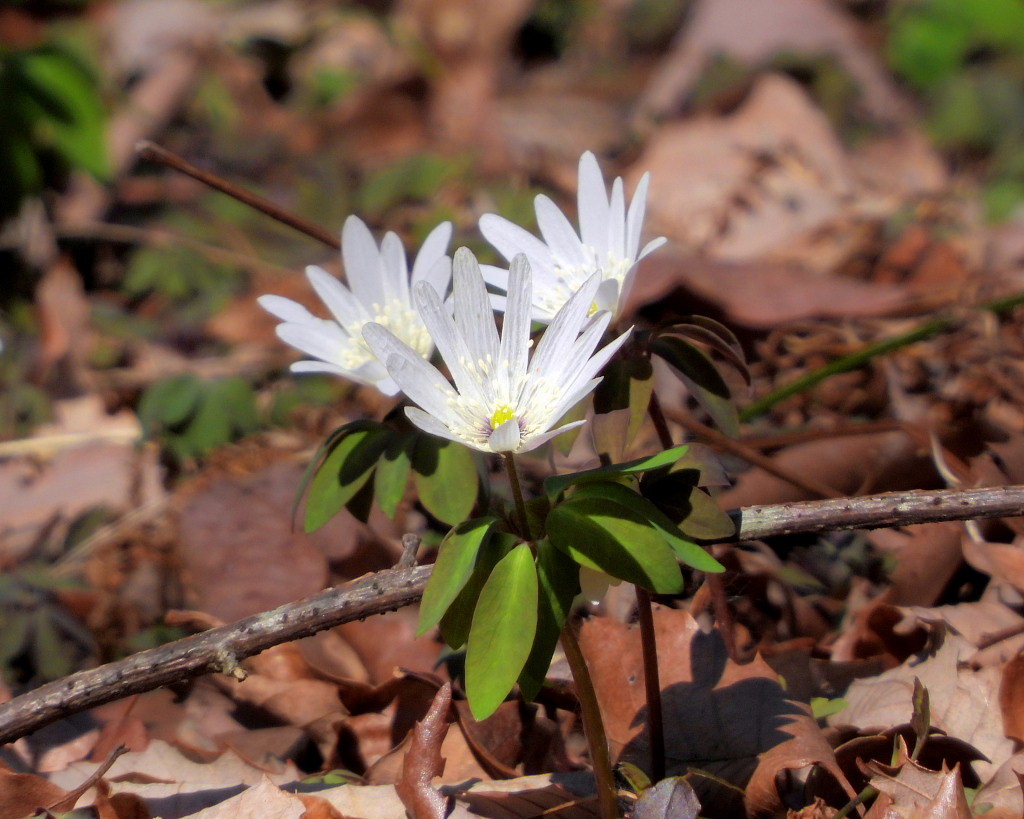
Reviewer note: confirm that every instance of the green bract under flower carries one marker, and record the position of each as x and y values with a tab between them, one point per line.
503	400
379	278
608	244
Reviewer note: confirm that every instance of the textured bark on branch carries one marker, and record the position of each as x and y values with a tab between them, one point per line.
221	649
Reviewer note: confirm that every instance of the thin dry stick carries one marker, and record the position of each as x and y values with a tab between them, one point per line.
723	442
221	649
152	151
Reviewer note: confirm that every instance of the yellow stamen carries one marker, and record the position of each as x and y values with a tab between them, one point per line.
593	308
501	415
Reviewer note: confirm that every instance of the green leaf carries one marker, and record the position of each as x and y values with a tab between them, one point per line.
559	483
169	402
72	111
501	636
456	622
685	550
822	707
208	428
237	400
454	565
617	540
344	471
702	379
558	583
627	384
392	476
446	479
690	508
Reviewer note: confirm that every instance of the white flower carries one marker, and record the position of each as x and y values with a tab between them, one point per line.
608	243
503	400
380	279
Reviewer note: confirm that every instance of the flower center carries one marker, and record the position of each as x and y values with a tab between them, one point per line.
501	415
401	319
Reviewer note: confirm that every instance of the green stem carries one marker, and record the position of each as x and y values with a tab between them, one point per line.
523	522
593	725
858	359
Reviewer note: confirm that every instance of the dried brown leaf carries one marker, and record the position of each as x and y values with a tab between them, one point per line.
671	798
731	720
918	793
423	762
22	793
964	702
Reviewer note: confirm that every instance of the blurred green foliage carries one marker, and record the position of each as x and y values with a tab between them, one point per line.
966	58
53	121
39	639
192	417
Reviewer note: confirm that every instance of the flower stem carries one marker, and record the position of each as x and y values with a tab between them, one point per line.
652	684
517	494
593	725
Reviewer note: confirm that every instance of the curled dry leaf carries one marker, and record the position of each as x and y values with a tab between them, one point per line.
1003	790
964	702
918	793
423	762
731	720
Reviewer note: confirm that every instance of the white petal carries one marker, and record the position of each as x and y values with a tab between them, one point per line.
592	203
616	241
433	249
450	343
651	246
567	369
607	296
558	233
544	437
572	398
417	378
395	268
474	318
515	332
339	300
511	240
438	275
635	218
495	276
286	309
319	367
599	359
565	326
429	424
505	437
362	261
319	342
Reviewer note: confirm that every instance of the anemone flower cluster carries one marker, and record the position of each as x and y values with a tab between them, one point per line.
386	324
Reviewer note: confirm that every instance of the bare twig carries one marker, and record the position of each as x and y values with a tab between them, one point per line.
152	151
221	649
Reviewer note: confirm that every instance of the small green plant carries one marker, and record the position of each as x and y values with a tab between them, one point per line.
966	58
191	417
54	121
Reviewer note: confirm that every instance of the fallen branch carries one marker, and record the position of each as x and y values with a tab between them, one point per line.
222	649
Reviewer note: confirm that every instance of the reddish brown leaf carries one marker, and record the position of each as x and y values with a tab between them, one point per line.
1011	698
732	720
424	761
21	794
